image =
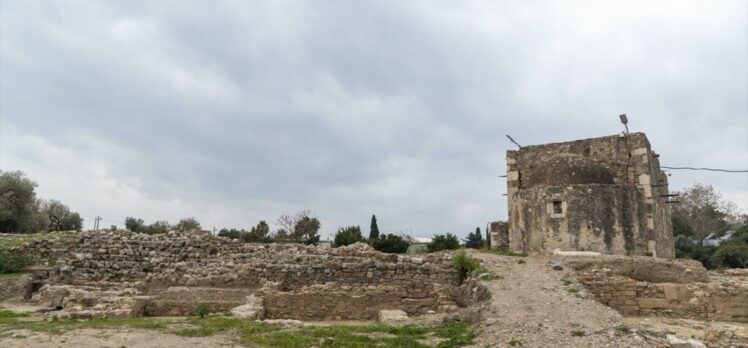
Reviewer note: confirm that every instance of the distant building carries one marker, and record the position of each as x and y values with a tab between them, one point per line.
713	240
418	245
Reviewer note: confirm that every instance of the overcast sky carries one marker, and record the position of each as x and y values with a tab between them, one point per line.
239	111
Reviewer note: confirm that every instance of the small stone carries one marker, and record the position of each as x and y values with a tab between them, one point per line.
557	266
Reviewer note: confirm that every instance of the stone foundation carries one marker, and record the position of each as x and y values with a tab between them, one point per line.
173	274
641	287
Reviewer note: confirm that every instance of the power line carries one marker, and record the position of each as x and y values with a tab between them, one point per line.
686	168
707	169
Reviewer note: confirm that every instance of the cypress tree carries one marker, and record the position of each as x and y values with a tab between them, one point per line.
374	232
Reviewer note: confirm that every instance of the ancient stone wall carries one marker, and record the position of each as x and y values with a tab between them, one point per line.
180	271
674	290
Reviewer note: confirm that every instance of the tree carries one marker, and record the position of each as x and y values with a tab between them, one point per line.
703	210
135	225
474	240
19	208
158	227
348	235
73	222
232	233
301	228
374	229
258	234
443	242
306	230
390	243
59	217
187	224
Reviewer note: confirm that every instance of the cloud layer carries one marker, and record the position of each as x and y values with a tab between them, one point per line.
233	112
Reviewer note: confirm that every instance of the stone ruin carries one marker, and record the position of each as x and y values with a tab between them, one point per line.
125	274
604	195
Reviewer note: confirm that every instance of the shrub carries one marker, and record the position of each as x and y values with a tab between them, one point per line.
11	263
465	264
202	310
348	236
390	243
187	224
444	242
731	256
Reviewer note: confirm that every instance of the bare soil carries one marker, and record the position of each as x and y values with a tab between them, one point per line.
108	338
533	306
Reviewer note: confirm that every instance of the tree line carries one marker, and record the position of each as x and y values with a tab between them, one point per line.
21	211
702	212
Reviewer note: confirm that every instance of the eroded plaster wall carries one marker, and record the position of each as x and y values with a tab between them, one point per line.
622	160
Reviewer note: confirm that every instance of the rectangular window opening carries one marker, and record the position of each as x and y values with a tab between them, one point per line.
557	207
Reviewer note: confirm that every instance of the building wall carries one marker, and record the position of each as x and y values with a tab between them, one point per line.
605	218
630	162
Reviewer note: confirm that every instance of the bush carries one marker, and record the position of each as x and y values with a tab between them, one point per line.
348	235
390	243
465	264
202	310
444	242
731	256
11	263
187	224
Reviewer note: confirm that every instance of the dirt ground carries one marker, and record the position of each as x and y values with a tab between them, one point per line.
130	338
532	306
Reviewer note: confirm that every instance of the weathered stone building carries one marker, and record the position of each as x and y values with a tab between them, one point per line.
604	194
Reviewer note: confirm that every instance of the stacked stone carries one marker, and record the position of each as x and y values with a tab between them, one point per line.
676	294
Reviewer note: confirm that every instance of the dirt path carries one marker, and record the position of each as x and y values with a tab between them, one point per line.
531	305
113	338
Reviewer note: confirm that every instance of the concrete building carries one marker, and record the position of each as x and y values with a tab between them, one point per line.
604	194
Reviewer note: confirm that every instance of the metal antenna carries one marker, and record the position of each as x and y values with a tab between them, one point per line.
512	140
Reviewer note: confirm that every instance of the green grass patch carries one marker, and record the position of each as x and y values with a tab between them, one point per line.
6	314
503	252
578	333
515	343
622	329
252	333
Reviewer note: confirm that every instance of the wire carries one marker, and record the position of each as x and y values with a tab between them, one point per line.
707	169
686	168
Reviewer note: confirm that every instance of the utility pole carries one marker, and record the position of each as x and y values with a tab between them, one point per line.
96	222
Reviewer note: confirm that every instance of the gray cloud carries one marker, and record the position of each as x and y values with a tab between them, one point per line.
234	112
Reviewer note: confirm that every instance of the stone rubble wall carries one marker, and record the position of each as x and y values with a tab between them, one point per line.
175	273
723	298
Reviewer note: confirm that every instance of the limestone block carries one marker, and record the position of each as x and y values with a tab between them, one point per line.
670	290
253	310
676	342
392	316
651	303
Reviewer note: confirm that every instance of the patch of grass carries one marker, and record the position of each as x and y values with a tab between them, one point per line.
6	314
566	281
465	264
515	343
503	252
10	275
572	290
252	333
196	332
622	329
457	333
578	333
9	321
